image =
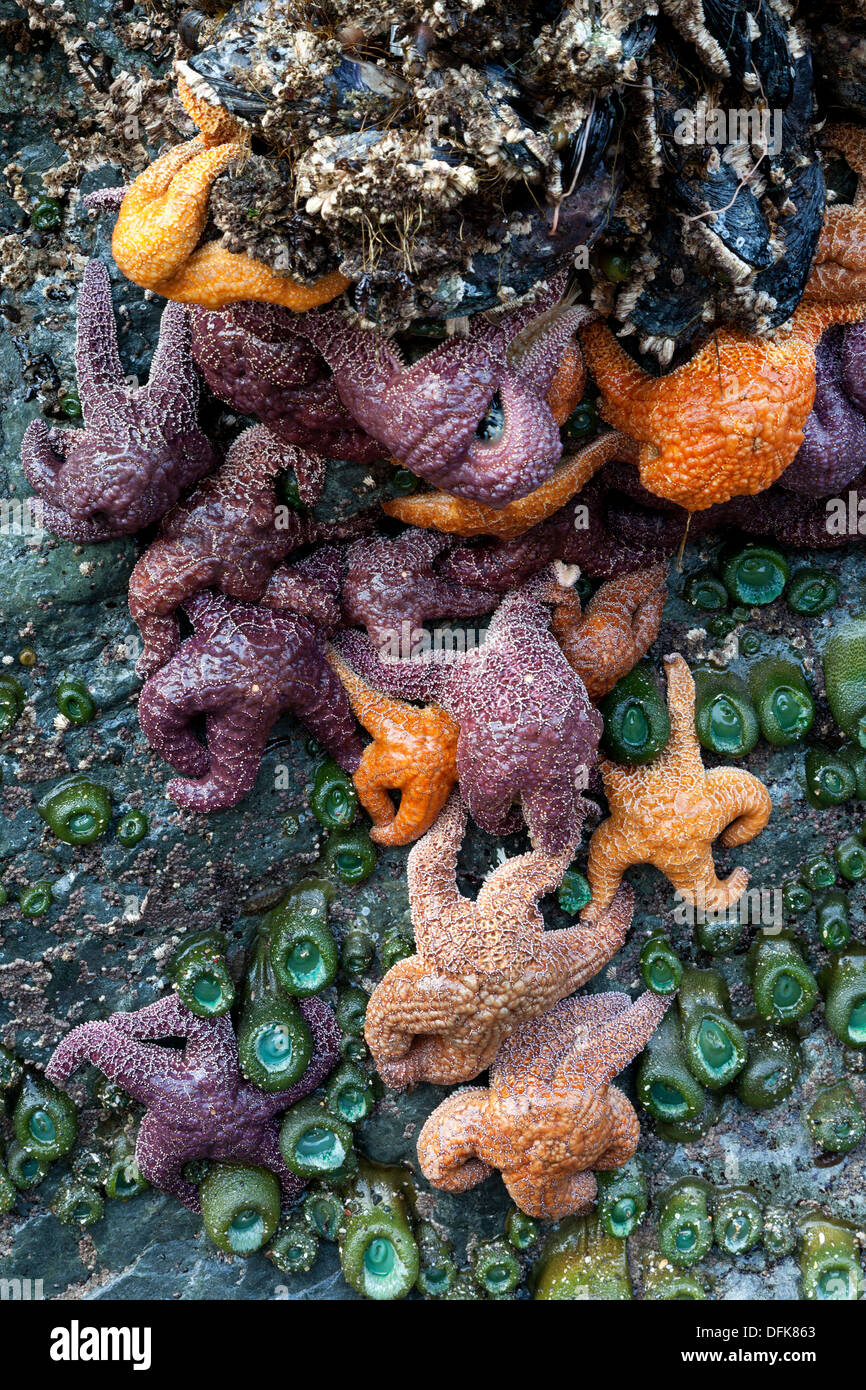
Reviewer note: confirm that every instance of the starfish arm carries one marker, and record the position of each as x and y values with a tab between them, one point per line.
412	1002
621	380
141	1069
236	741
97	362
579	952
373	708
700	886
375	773
169	700
431	876
615	1044
551	1198
419	679
683	748
611	852
163	215
326	1053
213	277
164	1018
42	452
626	1132
452	1142
172	389
514	889
162	1155
742	802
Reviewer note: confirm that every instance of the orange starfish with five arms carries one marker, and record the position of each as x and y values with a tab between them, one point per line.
413	749
550	1114
619	626
441	512
481	967
839	270
726	423
163	215
669	812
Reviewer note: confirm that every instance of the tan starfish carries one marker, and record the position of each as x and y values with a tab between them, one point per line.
550	1114
839	269
619	626
481	967
669	812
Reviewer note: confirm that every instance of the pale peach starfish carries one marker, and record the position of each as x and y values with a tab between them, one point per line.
669	812
482	967
550	1115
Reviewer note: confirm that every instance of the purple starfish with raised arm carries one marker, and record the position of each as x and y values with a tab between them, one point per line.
528	731
139	449
245	666
198	1103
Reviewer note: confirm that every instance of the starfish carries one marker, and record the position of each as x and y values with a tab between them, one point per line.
244	667
482	968
251	357
198	1103
229	533
391	586
726	423
834	438
839	269
455	515
310	588
669	812
550	1114
619	626
413	749
527	728
163	215
139	449
470	416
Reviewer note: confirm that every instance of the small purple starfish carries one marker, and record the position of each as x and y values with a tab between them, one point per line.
139	449
252	356
527	728
471	416
244	667
198	1103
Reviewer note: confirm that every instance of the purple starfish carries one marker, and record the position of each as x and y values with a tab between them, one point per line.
230	533
834	439
252	356
198	1103
139	448
391	586
244	667
528	731
471	416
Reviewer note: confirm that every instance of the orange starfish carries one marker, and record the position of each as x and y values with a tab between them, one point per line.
619	626
726	423
839	270
550	1114
566	389
669	812
481	967
163	215
413	749
442	512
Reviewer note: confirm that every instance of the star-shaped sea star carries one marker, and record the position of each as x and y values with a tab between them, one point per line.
527	728
139	449
669	812
550	1115
619	626
230	533
244	667
470	416
458	517
727	422
198	1103
163	215
481	967
839	270
413	750
250	356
